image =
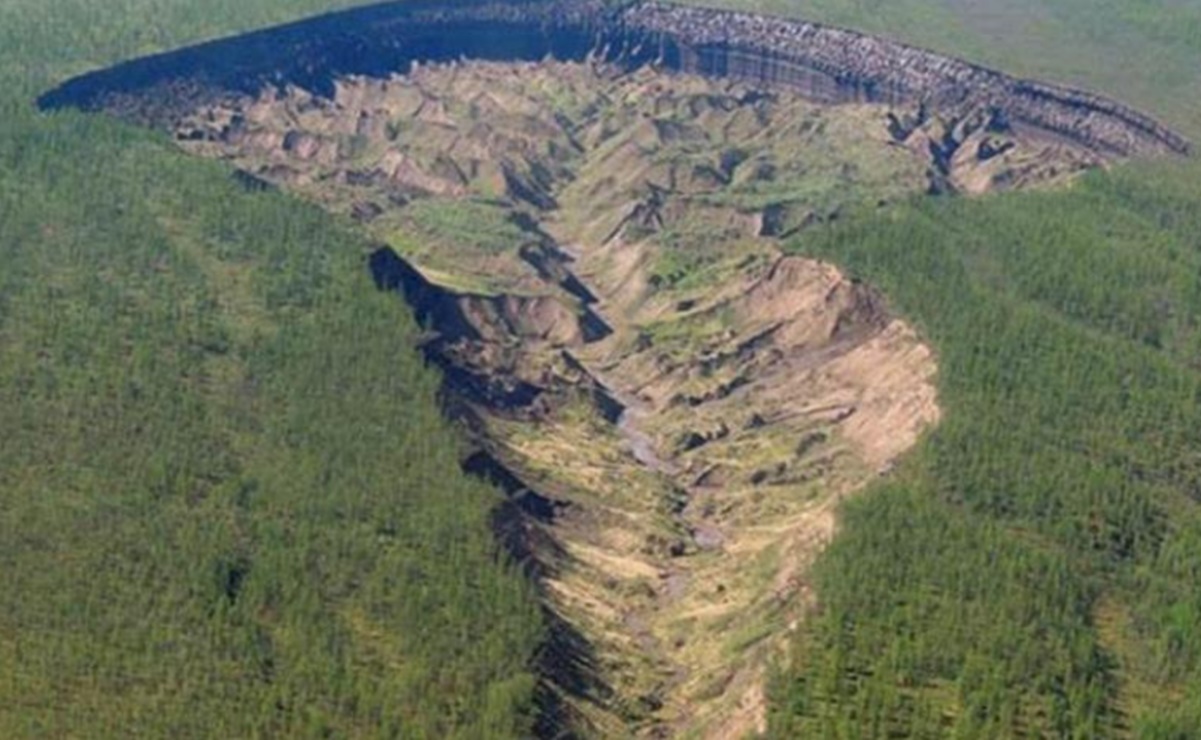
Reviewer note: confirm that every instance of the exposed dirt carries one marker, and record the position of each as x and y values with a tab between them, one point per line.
674	405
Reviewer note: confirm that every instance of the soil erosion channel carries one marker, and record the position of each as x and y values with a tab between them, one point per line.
634	345
674	405
596	252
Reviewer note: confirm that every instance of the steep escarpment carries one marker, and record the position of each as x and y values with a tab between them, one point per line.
829	64
841	64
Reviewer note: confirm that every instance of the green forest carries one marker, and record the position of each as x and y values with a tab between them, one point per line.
230	504
1034	568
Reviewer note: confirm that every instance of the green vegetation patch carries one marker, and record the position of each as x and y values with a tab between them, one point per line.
1065	475
469	224
229	504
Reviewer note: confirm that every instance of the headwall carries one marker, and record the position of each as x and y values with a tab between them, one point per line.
826	63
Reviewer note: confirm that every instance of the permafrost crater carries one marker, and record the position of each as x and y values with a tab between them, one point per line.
585	203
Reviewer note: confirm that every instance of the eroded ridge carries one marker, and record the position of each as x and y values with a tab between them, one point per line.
673	404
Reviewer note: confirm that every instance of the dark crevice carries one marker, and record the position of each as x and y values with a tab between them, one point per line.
532	504
566	661
232	575
432	306
568	665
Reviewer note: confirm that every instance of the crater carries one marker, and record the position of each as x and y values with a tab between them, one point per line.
585	205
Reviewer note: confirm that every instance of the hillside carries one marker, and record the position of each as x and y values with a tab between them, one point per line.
1033	569
633	348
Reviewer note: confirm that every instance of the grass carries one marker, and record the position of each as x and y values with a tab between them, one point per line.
469	225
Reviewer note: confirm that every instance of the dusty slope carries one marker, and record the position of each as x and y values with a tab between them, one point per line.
676	407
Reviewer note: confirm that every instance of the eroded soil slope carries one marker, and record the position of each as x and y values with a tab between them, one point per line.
675	406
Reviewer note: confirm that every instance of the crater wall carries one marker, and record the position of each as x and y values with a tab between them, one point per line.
822	62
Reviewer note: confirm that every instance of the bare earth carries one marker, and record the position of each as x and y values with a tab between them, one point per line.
605	277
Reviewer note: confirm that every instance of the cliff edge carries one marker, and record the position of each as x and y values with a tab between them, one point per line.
825	63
